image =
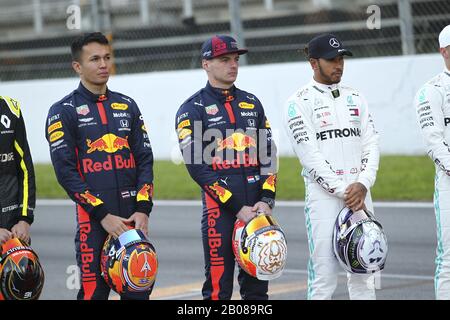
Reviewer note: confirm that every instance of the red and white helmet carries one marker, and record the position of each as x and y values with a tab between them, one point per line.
260	247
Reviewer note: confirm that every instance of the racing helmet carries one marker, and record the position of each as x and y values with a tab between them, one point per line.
260	247
129	263
359	242
21	274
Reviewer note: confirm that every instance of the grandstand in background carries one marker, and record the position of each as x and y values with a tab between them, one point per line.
155	35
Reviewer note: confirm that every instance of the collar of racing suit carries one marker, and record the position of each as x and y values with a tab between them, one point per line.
221	94
92	96
332	89
446	71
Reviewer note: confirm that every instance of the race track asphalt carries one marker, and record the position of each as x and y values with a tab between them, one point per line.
175	232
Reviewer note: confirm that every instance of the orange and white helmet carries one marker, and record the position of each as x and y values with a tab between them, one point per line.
260	247
129	263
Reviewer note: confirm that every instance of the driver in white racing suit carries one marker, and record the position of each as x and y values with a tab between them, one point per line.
432	104
333	135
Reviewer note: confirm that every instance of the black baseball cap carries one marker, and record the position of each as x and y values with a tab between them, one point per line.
219	45
326	46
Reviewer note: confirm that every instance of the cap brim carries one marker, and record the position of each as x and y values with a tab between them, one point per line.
339	52
238	51
242	51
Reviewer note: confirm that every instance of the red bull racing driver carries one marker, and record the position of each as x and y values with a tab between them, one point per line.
227	147
102	157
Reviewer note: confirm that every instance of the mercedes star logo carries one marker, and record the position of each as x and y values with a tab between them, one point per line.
334	43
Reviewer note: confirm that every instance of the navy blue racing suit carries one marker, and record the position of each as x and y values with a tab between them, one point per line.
102	157
227	147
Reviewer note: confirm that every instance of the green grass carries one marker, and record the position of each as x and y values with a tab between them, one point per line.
405	178
399	178
46	185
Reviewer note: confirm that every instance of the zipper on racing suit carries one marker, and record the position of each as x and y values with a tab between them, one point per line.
232	118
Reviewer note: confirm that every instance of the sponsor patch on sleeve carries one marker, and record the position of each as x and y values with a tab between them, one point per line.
184	133
184	123
270	183
56	135
55	126
222	193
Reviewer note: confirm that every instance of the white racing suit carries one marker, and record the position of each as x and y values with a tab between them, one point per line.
337	144
432	104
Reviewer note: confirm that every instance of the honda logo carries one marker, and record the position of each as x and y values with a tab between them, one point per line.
124	123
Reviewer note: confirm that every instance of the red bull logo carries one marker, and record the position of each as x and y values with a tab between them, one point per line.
91	199
237	141
145	193
108	143
221	192
270	183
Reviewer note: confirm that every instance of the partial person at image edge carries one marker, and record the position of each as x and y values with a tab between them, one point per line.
432	104
17	187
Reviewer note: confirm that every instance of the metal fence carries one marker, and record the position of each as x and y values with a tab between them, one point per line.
153	35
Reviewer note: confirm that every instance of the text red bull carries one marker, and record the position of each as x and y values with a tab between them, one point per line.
116	162
241	160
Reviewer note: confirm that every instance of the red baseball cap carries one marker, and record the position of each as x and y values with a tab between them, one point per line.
220	45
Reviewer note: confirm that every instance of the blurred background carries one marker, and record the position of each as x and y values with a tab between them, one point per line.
160	35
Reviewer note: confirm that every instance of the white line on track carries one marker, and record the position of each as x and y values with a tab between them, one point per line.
383	275
283	204
193	291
